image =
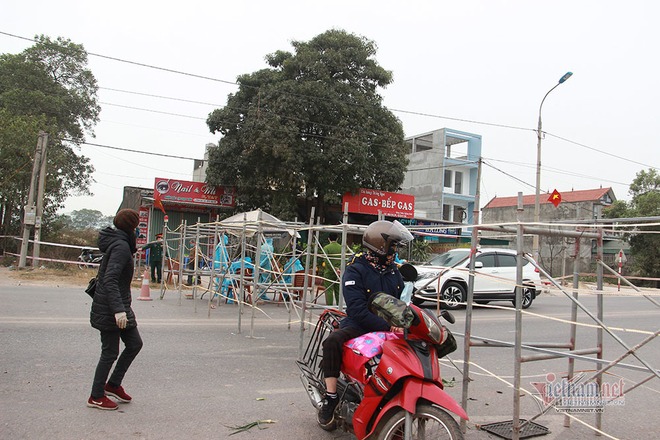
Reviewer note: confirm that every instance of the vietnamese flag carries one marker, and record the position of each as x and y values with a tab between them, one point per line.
157	202
555	198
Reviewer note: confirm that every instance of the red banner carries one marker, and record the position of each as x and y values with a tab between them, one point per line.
373	201
143	226
194	193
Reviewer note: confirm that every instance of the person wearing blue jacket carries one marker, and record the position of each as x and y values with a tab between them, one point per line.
368	273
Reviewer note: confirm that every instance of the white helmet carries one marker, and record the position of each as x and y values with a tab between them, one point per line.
383	236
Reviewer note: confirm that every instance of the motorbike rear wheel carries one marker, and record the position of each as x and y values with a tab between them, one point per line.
429	422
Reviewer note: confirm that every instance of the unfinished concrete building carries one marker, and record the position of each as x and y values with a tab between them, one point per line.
442	174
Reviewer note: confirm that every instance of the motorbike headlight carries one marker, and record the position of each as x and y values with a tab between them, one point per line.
434	327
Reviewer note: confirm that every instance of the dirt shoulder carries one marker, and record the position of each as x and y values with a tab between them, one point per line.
73	277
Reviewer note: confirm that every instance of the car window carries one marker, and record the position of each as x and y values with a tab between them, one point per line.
506	260
487	260
450	258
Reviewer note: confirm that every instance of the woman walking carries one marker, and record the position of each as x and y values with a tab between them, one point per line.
111	312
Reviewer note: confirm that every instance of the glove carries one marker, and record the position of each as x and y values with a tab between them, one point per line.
121	320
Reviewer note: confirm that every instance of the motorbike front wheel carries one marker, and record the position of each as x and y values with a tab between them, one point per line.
429	422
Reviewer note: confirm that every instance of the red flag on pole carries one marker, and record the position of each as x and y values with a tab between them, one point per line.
157	202
555	198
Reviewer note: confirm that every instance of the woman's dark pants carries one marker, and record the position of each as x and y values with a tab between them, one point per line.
110	352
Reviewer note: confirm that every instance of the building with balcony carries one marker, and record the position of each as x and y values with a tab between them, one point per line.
442	174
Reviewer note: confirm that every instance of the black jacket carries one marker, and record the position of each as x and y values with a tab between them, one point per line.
113	289
360	281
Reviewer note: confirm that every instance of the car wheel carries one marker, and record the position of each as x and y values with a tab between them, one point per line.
453	295
483	303
528	295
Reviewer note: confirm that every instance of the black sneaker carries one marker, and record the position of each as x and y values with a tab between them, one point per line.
326	416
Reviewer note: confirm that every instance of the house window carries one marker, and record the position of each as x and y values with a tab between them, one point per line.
458	183
459	213
446	212
447	179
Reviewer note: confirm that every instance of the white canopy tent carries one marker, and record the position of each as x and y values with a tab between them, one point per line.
253	219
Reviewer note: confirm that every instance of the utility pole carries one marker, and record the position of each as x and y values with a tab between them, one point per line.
536	248
40	204
470	294
29	218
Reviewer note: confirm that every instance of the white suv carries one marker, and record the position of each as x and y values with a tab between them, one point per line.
495	278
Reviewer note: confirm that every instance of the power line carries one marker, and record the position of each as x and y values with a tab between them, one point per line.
161	129
444	167
194	75
343	128
492	124
511	176
557	171
142	165
164	69
282	130
600	151
355	131
171	98
135	151
151	110
180	72
242	109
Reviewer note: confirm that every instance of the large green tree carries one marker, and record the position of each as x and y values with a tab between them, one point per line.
311	126
645	202
89	219
46	87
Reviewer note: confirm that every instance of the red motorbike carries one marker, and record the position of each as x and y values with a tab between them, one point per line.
390	386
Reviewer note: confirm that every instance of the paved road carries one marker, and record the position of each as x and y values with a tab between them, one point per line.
198	376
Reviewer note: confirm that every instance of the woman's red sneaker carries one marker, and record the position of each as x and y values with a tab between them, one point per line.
101	403
118	393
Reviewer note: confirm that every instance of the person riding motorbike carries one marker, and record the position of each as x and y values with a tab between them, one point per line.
368	273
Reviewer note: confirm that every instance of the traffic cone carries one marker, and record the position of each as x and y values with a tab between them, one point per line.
145	292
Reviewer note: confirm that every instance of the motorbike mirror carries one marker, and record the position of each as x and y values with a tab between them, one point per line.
446	314
408	272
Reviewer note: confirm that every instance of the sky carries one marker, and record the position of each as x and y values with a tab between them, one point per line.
480	66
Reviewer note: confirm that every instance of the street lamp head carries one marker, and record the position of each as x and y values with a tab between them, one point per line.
565	77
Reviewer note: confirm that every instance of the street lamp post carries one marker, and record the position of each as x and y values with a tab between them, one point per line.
539	135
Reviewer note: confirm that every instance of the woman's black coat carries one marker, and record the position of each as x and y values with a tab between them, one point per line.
113	289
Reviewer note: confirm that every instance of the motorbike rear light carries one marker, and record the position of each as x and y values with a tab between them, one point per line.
536	269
